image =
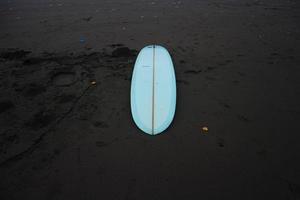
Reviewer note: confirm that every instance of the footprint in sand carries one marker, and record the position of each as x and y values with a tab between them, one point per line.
64	79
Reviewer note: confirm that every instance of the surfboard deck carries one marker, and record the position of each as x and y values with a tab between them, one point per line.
153	90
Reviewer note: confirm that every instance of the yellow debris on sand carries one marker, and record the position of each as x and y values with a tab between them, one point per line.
205	128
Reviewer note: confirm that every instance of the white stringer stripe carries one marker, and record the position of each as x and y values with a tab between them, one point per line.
153	89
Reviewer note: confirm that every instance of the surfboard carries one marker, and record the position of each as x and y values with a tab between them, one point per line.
153	90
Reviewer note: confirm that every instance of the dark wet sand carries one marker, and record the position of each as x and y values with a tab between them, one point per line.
237	67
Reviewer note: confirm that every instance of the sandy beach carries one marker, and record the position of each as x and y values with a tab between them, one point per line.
66	130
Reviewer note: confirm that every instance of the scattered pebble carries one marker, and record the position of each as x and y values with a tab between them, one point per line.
205	129
82	40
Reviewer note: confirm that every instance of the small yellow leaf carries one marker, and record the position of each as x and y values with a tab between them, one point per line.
205	128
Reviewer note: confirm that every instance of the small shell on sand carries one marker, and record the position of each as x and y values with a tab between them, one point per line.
205	129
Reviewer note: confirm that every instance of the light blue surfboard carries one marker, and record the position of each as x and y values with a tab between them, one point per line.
153	90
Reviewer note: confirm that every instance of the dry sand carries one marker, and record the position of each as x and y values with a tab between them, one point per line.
64	136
